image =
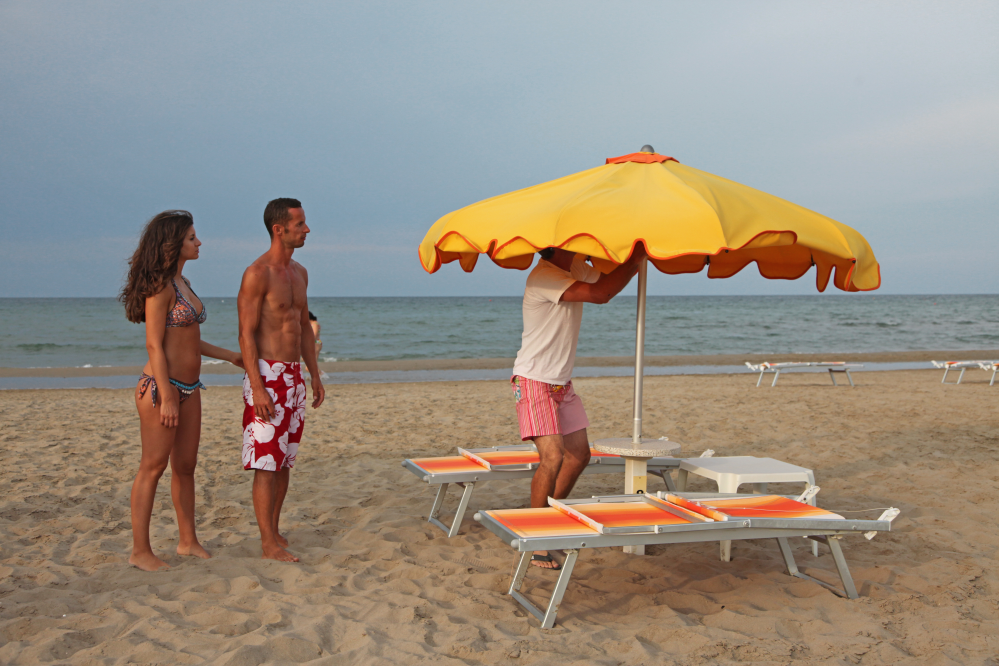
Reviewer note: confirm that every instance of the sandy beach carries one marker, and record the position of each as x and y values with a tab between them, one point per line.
378	584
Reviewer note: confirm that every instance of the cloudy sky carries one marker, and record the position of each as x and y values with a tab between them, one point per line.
383	116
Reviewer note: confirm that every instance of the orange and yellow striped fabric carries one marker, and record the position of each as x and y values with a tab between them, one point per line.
540	522
769	506
447	464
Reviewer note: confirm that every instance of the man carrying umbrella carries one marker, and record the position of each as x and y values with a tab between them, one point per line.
548	410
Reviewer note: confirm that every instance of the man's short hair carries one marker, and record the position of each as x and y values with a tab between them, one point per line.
276	212
547	253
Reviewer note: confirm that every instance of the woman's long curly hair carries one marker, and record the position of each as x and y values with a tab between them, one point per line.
155	261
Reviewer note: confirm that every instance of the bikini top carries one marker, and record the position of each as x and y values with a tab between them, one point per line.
183	313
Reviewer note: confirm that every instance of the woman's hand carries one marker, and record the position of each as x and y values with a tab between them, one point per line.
169	405
237	360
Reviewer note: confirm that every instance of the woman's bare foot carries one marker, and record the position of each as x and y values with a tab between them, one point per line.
277	553
147	562
195	549
281	541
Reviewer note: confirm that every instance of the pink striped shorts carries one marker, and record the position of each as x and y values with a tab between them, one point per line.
547	409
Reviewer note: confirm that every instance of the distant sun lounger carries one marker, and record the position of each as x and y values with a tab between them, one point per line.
497	463
629	520
964	365
777	368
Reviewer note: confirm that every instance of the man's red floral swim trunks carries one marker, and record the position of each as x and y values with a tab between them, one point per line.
272	445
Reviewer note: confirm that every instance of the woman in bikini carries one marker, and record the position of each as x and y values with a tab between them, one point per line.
168	397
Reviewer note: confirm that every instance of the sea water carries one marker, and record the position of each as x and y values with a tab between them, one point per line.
92	332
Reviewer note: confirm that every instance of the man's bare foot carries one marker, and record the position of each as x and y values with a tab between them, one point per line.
147	562
195	549
543	560
279	554
281	541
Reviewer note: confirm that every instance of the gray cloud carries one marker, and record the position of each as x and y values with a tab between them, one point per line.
382	117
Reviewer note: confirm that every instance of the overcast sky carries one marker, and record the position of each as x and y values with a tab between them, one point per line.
383	116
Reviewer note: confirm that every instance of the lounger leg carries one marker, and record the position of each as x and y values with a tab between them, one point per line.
852	385
666	477
462	505
832	376
681	480
759	380
842	568
547	618
848	591
961	376
994	368
435	510
725	547
776	375
563	582
785	550
944	380
520	572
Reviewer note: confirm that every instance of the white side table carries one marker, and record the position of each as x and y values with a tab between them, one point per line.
731	472
636	457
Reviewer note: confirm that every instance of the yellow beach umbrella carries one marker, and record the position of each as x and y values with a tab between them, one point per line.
687	220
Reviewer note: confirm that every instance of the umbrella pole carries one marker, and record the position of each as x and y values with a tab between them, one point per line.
643	274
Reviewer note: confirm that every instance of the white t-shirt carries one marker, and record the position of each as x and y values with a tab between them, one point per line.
551	329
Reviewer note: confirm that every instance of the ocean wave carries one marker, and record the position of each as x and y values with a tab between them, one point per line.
867	324
40	346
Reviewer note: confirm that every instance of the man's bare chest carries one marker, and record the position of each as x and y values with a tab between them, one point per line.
285	296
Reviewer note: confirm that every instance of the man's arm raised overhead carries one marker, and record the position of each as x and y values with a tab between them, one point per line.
250	304
607	286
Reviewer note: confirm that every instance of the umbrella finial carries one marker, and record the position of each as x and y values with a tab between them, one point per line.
647	149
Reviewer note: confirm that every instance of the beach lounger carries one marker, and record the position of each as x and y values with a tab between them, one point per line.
832	366
964	365
627	520
994	367
498	463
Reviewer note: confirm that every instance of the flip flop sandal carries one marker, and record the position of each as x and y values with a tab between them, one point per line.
546	558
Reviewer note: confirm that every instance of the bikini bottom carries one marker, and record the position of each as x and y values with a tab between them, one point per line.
185	390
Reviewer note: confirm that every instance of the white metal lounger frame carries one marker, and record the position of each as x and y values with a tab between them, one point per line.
776	368
827	531
466	480
994	367
964	365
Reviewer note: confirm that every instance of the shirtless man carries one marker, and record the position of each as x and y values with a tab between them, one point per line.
274	333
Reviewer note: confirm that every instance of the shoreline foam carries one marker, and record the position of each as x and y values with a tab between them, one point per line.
506	363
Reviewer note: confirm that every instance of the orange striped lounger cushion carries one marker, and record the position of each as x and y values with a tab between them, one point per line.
540	522
627	514
448	464
769	506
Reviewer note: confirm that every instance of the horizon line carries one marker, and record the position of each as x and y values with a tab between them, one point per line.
817	294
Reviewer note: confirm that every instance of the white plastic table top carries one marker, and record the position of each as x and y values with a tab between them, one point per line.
748	469
626	448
